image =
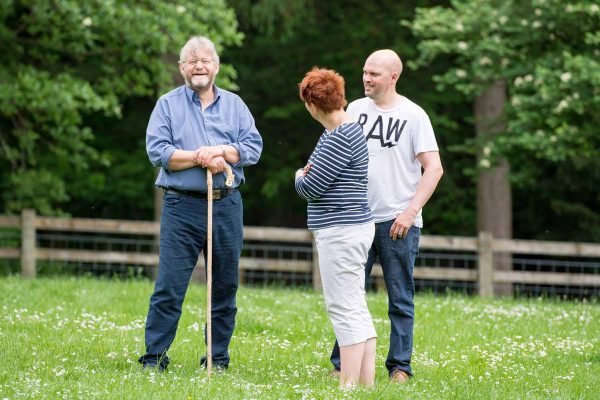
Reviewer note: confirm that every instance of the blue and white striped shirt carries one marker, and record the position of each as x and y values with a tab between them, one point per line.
336	184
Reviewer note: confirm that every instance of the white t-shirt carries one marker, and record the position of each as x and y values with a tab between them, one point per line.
395	137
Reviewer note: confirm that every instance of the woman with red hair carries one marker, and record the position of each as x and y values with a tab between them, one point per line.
334	182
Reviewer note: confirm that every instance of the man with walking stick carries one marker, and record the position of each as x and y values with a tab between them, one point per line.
196	127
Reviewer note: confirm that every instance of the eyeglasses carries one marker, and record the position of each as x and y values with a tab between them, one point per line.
193	62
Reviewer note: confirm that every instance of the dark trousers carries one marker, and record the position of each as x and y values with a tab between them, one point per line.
397	261
182	237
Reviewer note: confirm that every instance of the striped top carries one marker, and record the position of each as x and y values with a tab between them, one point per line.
336	184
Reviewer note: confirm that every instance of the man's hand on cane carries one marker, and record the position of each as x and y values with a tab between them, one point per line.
205	154
216	165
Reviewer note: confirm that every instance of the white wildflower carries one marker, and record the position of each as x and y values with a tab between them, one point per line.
536	24
461	73
566	77
594	8
180	9
561	106
87	21
459	27
485	163
518	81
487	150
537	11
463	45
503	19
485	61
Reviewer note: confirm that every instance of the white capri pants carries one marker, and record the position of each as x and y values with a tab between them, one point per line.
343	254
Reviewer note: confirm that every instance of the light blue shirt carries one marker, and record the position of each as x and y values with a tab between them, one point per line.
178	122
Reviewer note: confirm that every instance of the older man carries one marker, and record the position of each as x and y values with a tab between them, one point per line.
192	128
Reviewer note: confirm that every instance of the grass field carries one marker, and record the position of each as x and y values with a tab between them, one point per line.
80	338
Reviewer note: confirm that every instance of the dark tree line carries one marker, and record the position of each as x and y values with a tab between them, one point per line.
91	162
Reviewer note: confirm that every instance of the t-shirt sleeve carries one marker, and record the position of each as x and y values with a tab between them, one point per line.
424	138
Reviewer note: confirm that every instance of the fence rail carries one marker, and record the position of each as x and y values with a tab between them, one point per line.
484	247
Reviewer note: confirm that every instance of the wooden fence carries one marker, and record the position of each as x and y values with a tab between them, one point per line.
484	246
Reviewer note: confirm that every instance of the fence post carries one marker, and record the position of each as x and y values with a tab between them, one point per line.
485	265
316	274
28	244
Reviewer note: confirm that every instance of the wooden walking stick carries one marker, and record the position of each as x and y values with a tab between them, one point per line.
209	197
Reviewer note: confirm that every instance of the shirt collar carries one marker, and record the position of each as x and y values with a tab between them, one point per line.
193	95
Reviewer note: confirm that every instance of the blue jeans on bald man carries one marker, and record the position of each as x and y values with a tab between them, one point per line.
182	237
397	261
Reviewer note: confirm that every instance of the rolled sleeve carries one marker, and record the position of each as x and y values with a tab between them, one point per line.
159	138
250	143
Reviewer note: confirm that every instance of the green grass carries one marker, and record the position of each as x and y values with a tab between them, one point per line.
80	338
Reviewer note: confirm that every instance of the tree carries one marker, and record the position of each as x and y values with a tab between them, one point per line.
541	56
527	52
67	65
283	40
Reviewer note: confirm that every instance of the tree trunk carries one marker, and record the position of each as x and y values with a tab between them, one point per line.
494	197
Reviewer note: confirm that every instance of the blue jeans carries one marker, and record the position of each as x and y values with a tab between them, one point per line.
397	261
182	237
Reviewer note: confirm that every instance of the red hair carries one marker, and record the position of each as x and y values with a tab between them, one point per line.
324	88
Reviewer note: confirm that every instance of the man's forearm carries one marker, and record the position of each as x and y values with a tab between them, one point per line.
230	154
426	187
182	159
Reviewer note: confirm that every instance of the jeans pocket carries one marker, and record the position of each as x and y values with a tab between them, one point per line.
234	198
172	199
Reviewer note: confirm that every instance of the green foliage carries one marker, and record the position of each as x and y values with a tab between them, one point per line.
80	338
546	50
65	64
283	41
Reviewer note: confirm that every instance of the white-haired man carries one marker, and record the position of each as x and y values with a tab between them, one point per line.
192	128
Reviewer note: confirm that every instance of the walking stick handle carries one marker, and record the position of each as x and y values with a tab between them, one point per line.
230	177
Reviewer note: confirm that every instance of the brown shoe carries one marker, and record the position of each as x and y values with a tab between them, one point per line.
399	376
335	374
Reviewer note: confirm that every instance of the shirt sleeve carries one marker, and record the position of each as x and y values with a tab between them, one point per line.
334	155
424	139
249	143
159	138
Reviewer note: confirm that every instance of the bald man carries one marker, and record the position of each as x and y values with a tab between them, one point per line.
401	144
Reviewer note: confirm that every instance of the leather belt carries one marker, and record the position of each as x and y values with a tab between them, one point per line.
217	193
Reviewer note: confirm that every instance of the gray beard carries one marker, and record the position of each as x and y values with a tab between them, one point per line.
199	87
